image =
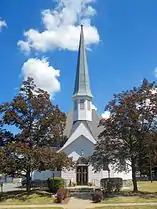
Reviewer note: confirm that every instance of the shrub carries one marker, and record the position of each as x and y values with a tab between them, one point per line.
74	184
90	184
112	185
62	193
97	196
35	183
55	183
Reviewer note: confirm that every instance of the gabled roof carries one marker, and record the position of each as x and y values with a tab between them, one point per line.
81	130
82	86
91	125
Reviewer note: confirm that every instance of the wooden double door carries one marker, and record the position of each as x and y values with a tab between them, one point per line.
82	175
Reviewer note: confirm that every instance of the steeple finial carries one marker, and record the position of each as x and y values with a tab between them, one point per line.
82	85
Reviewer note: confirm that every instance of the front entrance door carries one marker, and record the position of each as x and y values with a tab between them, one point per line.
82	175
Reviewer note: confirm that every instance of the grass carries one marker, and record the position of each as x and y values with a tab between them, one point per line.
133	199
145	186
130	207
147	193
21	197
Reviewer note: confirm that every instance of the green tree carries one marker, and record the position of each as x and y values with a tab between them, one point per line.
40	125
123	139
148	158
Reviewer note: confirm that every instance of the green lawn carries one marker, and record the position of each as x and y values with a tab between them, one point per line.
147	186
147	193
129	207
21	197
129	199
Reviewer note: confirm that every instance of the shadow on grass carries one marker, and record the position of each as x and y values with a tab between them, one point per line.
125	197
139	194
23	195
123	194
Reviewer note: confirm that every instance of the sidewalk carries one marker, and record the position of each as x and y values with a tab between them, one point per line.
76	203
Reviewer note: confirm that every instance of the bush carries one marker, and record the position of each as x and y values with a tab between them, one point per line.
35	183
74	184
90	184
62	193
112	185
97	196
55	183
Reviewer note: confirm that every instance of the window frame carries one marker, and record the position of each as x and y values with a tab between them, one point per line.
82	104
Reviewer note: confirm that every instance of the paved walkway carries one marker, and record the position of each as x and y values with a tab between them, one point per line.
76	203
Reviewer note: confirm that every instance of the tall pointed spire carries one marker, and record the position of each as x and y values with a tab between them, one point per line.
82	85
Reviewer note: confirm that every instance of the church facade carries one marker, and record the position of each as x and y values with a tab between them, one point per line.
82	130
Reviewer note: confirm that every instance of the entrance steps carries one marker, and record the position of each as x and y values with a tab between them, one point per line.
84	191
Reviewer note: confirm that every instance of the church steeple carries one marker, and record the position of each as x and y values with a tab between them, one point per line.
82	95
82	85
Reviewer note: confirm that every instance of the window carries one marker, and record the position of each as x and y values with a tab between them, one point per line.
81	104
88	105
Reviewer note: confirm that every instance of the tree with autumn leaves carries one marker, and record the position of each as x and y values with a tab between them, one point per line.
40	125
129	136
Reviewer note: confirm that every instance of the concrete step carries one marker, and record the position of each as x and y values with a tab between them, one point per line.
85	191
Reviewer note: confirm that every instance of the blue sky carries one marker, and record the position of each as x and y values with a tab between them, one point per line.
121	35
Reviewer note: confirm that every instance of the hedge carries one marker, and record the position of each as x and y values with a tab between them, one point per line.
55	183
111	185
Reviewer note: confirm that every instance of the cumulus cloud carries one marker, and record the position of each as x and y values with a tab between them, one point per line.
44	75
62	27
106	114
2	24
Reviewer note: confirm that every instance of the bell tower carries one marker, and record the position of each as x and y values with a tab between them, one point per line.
82	96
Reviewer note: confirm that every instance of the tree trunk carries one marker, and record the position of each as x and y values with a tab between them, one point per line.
134	180
28	181
150	165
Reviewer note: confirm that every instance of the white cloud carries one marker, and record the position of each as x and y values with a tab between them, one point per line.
90	11
2	24
44	75
61	27
106	114
24	46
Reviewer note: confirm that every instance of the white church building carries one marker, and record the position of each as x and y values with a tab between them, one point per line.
82	131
